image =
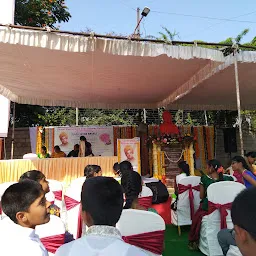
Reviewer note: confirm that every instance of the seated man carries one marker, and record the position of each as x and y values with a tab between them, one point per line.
74	152
58	153
25	205
102	204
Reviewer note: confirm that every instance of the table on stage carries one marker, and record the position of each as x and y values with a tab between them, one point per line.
61	169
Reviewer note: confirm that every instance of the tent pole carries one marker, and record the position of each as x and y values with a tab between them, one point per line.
238	99
13	130
205	117
144	116
77	117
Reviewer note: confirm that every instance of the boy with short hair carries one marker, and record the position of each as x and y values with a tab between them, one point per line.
25	205
102	204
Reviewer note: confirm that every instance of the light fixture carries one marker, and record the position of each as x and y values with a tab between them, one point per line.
145	12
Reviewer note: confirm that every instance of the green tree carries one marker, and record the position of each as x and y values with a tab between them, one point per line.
40	13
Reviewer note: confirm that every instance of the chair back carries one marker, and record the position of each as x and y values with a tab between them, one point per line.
72	200
151	226
145	197
220	194
3	187
30	156
56	188
52	234
188	201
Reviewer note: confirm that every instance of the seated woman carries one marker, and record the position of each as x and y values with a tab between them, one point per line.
242	172
184	172
92	170
214	174
39	177
132	186
43	153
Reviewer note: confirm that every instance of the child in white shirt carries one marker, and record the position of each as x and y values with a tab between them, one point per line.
25	205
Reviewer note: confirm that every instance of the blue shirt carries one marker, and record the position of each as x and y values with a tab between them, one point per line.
247	183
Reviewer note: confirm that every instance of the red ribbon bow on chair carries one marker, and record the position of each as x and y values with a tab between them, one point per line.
70	204
151	241
145	201
52	243
223	212
58	195
184	188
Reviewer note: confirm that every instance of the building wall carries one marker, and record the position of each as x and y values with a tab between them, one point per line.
224	158
21	143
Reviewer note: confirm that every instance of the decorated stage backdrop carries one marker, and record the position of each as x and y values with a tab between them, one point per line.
101	138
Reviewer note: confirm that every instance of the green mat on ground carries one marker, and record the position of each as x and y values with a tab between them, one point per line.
178	245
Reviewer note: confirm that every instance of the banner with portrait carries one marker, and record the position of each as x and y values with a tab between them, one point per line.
129	150
100	137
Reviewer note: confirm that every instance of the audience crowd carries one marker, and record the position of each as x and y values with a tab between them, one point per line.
25	205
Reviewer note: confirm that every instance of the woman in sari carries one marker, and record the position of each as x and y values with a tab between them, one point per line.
43	153
214	174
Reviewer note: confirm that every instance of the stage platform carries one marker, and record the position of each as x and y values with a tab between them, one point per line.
61	169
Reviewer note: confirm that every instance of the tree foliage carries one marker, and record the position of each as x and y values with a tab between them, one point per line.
41	13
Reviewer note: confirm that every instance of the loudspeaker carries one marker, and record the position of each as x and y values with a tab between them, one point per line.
230	144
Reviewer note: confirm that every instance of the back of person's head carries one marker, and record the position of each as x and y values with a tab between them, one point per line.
19	197
34	175
132	186
82	138
243	215
216	166
116	168
102	201
57	149
125	166
184	167
92	170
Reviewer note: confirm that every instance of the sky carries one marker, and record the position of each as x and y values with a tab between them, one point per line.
104	16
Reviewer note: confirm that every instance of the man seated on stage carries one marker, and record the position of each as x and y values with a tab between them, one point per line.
102	204
58	153
74	152
25	205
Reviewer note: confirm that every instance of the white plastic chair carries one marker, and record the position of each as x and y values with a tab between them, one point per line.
145	197
218	193
30	156
135	222
74	193
53	231
234	251
182	216
56	188
3	187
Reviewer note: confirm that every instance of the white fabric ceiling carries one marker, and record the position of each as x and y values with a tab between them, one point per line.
46	68
218	92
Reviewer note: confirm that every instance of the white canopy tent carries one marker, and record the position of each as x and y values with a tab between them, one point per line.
49	68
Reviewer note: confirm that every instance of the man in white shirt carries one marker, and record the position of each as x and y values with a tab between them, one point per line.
25	205
102	204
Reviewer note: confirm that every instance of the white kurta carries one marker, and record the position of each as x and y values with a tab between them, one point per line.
16	240
100	241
